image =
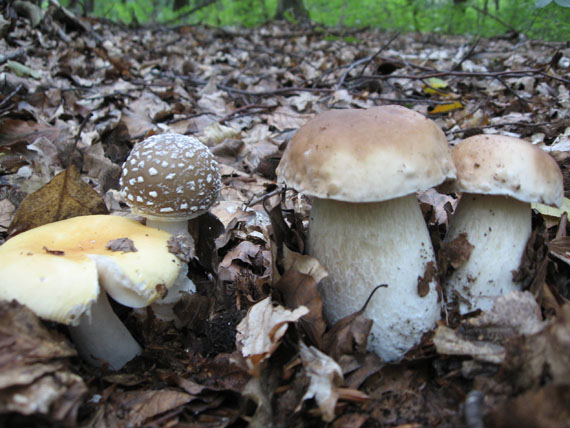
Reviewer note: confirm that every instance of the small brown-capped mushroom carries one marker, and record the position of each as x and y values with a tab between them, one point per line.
363	169
63	272
498	177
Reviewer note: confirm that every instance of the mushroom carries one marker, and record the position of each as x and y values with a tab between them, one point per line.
58	270
362	168
170	179
498	177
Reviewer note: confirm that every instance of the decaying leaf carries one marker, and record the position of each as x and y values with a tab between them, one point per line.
326	377
137	408
66	196
484	337
300	290
546	407
34	379
533	359
261	331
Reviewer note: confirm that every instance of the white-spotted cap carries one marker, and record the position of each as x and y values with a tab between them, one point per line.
58	270
368	155
501	165
170	177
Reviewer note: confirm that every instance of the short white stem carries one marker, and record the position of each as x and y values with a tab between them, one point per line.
164	308
179	227
366	244
101	336
498	227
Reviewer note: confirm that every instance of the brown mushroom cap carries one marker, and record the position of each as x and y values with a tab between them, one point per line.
170	177
501	165
368	155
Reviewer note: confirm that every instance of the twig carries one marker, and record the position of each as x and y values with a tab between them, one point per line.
500	125
278	91
373	57
467	54
10	95
241	109
350	67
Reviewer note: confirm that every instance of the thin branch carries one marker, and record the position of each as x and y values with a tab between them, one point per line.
373	57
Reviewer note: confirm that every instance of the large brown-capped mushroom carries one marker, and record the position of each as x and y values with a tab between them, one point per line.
170	179
362	168
498	177
63	272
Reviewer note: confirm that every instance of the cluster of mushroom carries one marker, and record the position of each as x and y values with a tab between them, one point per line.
363	168
64	271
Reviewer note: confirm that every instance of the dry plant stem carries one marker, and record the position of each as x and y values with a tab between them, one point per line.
101	336
363	245
498	227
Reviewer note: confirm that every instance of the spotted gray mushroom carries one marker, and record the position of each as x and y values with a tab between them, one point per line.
170	179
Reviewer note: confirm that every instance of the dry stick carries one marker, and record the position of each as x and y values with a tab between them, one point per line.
350	67
66	173
278	91
241	109
467	54
499	125
373	57
517	96
10	96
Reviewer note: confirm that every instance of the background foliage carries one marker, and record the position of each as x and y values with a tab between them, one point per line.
481	17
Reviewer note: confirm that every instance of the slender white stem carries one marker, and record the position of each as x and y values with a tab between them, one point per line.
102	337
367	244
498	227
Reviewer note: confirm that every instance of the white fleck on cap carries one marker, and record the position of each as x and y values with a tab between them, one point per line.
170	177
368	155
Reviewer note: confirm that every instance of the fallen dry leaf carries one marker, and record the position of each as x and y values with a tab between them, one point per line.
260	332
326	377
66	196
300	290
484	337
546	407
34	379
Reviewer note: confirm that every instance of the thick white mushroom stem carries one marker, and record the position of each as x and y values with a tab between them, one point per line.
101	336
498	227
363	245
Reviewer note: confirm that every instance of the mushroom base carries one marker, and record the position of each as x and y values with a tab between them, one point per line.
363	245
498	227
101	337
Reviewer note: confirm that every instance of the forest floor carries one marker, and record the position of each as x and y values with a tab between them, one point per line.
82	92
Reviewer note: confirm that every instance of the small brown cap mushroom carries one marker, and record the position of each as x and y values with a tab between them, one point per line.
170	177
